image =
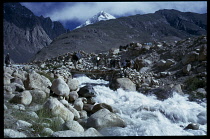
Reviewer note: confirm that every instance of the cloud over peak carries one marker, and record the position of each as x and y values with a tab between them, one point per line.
81	11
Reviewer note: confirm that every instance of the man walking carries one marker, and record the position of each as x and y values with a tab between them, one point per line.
7	60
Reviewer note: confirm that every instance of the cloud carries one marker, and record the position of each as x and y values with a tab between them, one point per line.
81	11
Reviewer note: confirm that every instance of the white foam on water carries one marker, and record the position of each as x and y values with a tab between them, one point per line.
85	79
148	116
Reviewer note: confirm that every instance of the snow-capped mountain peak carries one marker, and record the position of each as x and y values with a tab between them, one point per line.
101	16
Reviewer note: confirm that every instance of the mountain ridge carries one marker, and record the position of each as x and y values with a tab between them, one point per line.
102	36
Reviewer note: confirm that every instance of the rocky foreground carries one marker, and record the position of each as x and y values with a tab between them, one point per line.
45	99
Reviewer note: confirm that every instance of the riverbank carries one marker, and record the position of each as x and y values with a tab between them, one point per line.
164	87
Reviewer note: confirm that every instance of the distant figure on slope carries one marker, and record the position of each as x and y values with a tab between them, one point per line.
75	58
112	63
7	60
97	61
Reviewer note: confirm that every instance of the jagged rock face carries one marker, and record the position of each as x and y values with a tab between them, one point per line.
23	43
53	29
104	35
25	34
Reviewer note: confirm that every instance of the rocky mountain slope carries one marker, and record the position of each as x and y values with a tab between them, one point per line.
170	25
101	16
25	33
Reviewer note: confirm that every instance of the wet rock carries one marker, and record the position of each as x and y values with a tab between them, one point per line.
100	106
91	101
124	83
87	91
192	126
177	88
104	118
161	93
199	93
60	87
202	118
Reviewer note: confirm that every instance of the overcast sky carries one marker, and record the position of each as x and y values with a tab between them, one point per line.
79	12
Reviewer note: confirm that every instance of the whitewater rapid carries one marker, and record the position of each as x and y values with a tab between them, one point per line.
148	116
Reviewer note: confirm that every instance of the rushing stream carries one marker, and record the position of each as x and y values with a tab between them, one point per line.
147	116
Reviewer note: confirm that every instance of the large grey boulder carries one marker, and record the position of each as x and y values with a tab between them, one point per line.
73	84
100	106
66	133
124	83
23	124
7	78
87	91
10	133
74	126
56	108
91	132
38	95
71	108
104	118
17	80
37	81
24	97
20	74
60	87
16	87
